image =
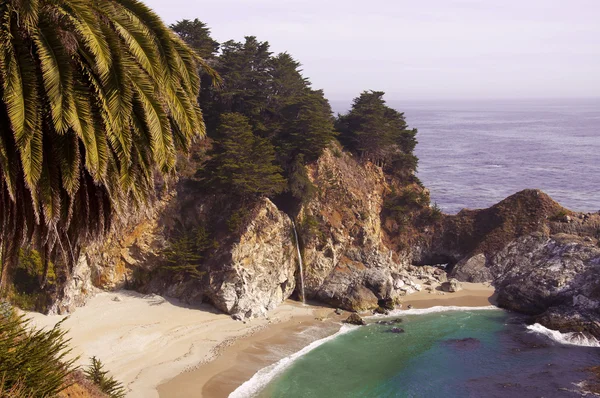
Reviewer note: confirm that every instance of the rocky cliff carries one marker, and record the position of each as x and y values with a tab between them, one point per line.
543	259
348	261
366	240
252	267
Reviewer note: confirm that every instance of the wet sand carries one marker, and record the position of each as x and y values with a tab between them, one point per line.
238	362
246	356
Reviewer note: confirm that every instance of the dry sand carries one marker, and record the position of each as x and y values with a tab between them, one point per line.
472	295
146	340
155	345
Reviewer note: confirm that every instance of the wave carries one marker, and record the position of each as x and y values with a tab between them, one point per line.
264	376
577	339
433	310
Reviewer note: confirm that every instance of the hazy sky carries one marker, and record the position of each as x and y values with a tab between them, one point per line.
420	49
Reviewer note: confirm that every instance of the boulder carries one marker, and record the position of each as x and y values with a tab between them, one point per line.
452	286
355	319
381	310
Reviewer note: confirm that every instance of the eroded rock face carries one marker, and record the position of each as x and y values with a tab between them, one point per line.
133	242
346	261
554	278
260	274
251	273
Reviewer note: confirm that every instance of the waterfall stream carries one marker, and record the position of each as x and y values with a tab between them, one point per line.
300	262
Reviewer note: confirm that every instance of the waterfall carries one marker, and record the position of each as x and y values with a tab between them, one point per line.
300	262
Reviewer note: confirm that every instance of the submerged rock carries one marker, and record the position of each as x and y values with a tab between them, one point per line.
396	330
466	343
355	319
390	322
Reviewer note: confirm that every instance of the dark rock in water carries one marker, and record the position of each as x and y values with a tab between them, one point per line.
339	311
409	306
566	318
390	322
468	343
355	319
396	330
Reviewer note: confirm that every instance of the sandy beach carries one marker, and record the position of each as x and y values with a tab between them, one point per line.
161	347
472	295
238	362
146	340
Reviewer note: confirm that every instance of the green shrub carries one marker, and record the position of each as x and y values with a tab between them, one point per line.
237	219
32	362
310	228
185	252
107	384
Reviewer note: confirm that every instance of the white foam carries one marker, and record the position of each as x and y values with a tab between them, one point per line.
433	310
264	376
565	338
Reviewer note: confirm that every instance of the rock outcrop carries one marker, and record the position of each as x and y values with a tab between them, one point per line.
347	262
355	319
555	279
543	259
250	273
361	251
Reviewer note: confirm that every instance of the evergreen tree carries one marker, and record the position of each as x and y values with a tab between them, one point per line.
242	162
32	362
300	117
278	102
244	69
379	133
197	35
100	377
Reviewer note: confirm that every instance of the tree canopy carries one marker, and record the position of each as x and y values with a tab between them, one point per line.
277	101
96	97
379	133
197	35
242	162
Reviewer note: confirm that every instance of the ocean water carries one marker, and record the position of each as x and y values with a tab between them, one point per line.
474	154
455	353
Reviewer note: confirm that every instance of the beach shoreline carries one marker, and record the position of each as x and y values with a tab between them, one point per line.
246	356
161	347
146	340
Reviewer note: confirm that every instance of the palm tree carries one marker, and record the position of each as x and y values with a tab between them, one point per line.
96	98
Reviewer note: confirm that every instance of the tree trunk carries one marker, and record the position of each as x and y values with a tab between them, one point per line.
7	261
44	279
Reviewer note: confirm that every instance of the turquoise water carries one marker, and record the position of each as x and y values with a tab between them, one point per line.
450	354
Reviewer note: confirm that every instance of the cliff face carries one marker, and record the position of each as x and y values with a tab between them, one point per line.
252	269
542	258
133	243
248	276
347	263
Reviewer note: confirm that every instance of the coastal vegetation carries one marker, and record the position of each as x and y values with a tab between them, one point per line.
106	383
101	109
97	98
33	363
